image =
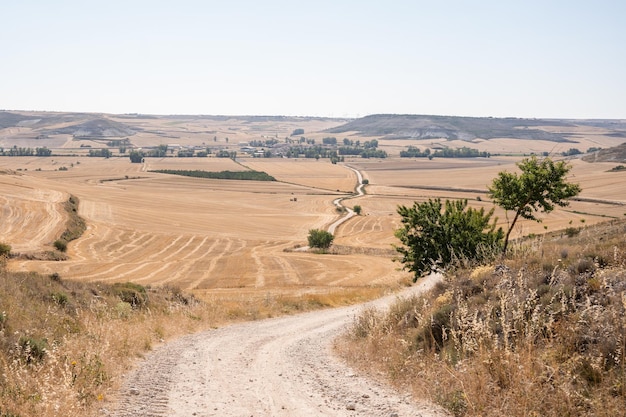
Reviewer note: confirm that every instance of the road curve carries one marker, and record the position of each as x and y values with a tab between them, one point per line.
274	367
337	202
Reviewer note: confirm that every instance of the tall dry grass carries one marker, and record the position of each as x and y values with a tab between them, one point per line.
540	334
66	346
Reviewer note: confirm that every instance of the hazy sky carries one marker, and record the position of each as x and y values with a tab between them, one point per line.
316	58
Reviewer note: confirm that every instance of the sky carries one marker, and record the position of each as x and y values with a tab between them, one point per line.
341	58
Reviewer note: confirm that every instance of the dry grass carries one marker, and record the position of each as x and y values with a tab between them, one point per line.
225	242
542	334
196	234
65	346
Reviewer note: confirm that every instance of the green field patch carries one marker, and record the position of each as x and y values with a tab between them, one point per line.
221	175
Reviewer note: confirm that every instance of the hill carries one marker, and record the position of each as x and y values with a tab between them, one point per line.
614	154
97	127
404	126
75	124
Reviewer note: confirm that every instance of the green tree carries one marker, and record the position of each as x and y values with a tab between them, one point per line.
43	151
136	157
320	239
435	234
357	209
540	186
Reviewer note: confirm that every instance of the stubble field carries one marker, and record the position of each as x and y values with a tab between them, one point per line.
206	236
234	238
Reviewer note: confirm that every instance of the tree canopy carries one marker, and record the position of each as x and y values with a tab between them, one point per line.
320	239
434	234
540	187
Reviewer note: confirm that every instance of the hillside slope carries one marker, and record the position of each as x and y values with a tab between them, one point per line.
614	154
404	126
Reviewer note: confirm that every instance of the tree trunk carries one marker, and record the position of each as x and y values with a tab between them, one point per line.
508	233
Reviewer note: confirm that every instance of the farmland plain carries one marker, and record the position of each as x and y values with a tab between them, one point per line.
238	238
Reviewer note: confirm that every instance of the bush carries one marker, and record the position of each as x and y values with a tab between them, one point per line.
33	349
435	235
60	245
320	239
60	298
5	249
133	294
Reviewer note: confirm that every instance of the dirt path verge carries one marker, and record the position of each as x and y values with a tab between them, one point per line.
274	367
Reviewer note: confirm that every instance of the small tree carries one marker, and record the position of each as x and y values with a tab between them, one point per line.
5	249
136	157
357	209
433	235
320	239
540	186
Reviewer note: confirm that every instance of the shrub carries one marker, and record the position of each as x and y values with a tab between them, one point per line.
133	294
436	235
59	298
5	249
320	239
60	245
33	349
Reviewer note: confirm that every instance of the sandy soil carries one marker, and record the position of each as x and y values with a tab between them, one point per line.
276	367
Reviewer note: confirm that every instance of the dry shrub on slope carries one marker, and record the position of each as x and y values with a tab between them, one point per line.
63	345
543	334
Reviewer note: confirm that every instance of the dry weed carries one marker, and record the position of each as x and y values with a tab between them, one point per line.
538	336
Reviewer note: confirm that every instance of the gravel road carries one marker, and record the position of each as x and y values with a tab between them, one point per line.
274	367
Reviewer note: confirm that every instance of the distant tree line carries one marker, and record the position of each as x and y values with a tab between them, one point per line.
414	152
464	152
571	152
362	152
263	143
329	149
100	153
316	151
226	154
222	175
15	151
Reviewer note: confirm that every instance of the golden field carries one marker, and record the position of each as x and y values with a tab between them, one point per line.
237	237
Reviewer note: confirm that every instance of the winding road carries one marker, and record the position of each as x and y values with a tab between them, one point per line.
274	367
337	202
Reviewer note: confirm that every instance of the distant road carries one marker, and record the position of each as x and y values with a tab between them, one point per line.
337	202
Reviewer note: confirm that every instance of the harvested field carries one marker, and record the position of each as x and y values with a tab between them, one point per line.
394	182
198	234
236	238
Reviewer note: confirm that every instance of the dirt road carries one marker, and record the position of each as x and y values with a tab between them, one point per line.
275	367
